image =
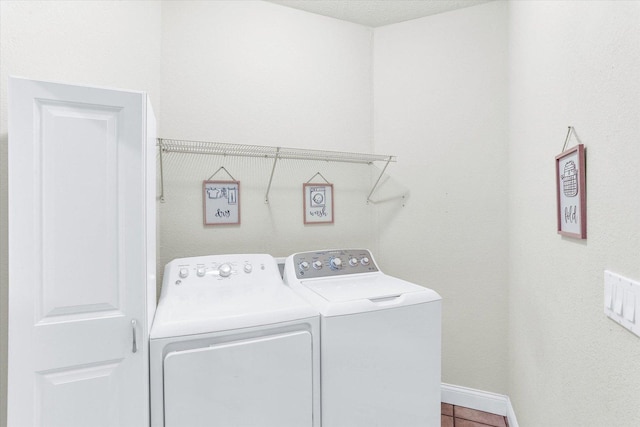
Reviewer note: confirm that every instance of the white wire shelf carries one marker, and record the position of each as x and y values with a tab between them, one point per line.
241	150
268	152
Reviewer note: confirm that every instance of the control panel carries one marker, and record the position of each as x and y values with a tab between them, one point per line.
309	265
220	267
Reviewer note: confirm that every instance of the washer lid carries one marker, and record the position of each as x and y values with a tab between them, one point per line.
371	287
338	296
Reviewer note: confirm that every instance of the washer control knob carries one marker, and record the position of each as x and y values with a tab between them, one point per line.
317	264
353	261
304	265
225	270
248	268
184	272
365	261
335	263
201	271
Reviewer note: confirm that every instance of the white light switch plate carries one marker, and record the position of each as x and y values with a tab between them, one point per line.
622	301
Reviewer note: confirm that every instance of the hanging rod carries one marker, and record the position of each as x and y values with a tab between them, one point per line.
268	152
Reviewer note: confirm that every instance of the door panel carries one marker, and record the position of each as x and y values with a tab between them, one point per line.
78	191
78	249
92	387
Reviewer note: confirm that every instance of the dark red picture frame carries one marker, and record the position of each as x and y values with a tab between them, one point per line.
326	202
571	193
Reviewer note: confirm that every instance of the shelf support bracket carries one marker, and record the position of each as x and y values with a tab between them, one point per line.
273	169
378	180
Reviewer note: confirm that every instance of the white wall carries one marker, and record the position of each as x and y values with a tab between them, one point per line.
253	72
440	91
105	43
257	73
573	63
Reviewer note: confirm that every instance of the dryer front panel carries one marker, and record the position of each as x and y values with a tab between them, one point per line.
265	381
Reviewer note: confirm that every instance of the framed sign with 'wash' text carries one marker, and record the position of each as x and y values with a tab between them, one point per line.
571	193
318	203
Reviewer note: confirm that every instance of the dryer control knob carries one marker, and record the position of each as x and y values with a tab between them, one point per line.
225	270
304	265
335	263
201	271
184	272
317	264
353	261
248	268
365	261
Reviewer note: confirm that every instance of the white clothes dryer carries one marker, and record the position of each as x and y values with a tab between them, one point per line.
231	345
380	340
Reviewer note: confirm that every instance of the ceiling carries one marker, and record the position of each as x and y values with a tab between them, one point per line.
375	13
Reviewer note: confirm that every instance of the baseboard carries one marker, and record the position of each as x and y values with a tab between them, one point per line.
480	400
511	415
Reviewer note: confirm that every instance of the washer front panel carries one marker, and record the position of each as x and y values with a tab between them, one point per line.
382	368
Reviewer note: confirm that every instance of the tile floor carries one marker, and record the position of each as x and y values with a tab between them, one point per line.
458	416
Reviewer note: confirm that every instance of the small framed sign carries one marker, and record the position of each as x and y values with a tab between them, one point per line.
318	203
221	202
571	193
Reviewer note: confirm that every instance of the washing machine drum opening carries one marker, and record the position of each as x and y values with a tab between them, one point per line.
265	381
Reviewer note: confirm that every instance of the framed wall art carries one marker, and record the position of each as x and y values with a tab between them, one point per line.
221	202
571	193
318	203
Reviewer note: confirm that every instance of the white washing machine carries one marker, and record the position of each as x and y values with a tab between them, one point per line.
232	346
380	340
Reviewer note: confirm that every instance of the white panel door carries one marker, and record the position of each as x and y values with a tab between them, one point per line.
258	382
78	254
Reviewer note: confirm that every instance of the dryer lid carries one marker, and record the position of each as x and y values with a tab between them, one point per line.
227	308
